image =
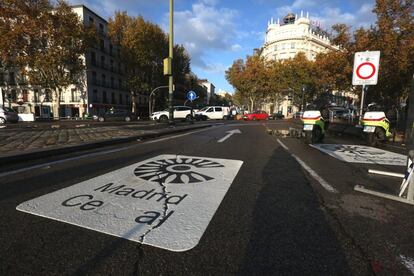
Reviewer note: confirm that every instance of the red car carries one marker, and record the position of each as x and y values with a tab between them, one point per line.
257	115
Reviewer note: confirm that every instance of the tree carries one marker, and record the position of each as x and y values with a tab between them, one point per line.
144	46
249	79
46	43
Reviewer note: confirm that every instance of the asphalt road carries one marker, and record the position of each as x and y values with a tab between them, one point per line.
274	219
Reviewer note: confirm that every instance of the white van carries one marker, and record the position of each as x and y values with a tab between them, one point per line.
213	113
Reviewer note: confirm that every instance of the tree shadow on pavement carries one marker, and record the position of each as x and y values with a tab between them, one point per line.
289	232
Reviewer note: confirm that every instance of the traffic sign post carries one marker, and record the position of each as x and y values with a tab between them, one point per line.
366	66
191	96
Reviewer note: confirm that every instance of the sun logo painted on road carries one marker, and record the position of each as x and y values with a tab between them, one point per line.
176	171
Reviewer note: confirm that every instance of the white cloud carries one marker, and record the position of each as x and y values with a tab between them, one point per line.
329	14
236	47
204	28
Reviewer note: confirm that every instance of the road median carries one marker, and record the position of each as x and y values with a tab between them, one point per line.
54	150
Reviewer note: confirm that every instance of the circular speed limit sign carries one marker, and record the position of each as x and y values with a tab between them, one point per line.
366	70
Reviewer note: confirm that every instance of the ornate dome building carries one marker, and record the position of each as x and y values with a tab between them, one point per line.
293	35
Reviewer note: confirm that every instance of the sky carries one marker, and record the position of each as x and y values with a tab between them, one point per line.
217	32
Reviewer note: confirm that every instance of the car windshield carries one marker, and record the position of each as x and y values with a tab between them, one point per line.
204	108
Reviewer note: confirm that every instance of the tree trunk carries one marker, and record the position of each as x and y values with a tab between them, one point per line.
134	105
251	104
56	104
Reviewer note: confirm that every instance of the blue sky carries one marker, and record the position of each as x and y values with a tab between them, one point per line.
215	32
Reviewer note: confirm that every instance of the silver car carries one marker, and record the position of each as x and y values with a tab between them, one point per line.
8	115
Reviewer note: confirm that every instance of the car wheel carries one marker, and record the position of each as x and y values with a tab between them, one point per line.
2	120
188	118
127	119
101	119
224	117
163	119
254	119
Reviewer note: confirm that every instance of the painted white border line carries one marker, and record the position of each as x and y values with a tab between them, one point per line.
99	153
408	263
321	181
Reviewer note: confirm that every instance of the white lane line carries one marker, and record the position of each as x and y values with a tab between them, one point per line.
283	145
321	181
95	154
179	135
408	263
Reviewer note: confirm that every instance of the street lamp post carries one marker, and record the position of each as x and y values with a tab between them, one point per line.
171	54
150	95
303	95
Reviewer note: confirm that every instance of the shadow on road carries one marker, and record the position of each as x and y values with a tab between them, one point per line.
290	234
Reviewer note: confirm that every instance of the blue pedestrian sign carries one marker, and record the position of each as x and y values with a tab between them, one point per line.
191	96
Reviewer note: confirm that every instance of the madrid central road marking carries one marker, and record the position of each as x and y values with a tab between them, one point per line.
362	154
229	134
166	201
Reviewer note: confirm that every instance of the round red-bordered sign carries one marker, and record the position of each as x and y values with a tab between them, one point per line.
366	64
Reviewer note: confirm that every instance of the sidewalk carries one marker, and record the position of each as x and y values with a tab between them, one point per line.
26	144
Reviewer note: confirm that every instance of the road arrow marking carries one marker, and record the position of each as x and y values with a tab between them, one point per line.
229	134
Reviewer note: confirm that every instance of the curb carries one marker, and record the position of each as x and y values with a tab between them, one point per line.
6	160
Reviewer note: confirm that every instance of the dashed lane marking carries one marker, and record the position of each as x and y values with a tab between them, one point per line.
319	179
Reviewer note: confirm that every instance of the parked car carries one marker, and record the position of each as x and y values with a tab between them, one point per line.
298	115
212	113
8	115
257	115
276	116
180	112
115	115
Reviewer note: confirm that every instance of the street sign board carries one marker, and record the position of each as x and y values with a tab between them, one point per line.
166	201
191	96
366	66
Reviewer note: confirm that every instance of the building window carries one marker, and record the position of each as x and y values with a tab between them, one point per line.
61	96
275	48
104	99
95	96
75	95
93	58
119	52
120	98
112	65
119	68
101	28
102	45
36	95
94	79
90	21
103	80
113	100
48	95
25	95
292	45
103	62
12	78
112	82
127	99
120	84
111	48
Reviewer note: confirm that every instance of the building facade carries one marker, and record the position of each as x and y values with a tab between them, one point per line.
284	40
210	90
103	86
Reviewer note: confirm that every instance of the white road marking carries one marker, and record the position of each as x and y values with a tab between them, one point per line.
283	145
95	154
408	263
321	181
166	201
362	154
229	134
